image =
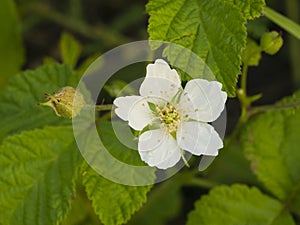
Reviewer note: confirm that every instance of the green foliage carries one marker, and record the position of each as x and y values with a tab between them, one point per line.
70	49
251	9
12	52
216	34
37	170
271	144
19	102
238	204
114	203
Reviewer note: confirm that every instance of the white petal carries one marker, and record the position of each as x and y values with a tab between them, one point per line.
199	138
171	161
158	148
124	104
203	100
161	69
159	87
161	81
140	115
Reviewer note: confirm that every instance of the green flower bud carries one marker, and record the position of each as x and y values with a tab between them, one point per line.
271	42
251	54
65	102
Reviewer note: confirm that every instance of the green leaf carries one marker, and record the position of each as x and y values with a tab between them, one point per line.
238	204
152	107
251	9
271	144
19	109
12	52
214	30
37	170
114	203
70	49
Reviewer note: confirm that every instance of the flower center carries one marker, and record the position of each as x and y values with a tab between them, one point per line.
169	116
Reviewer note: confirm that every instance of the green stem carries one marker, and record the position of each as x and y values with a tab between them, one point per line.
293	11
287	24
200	182
245	103
244	79
261	109
104	107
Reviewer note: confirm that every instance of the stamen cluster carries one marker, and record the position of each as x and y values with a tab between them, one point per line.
169	116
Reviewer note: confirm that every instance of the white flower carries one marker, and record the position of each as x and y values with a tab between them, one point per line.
172	119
